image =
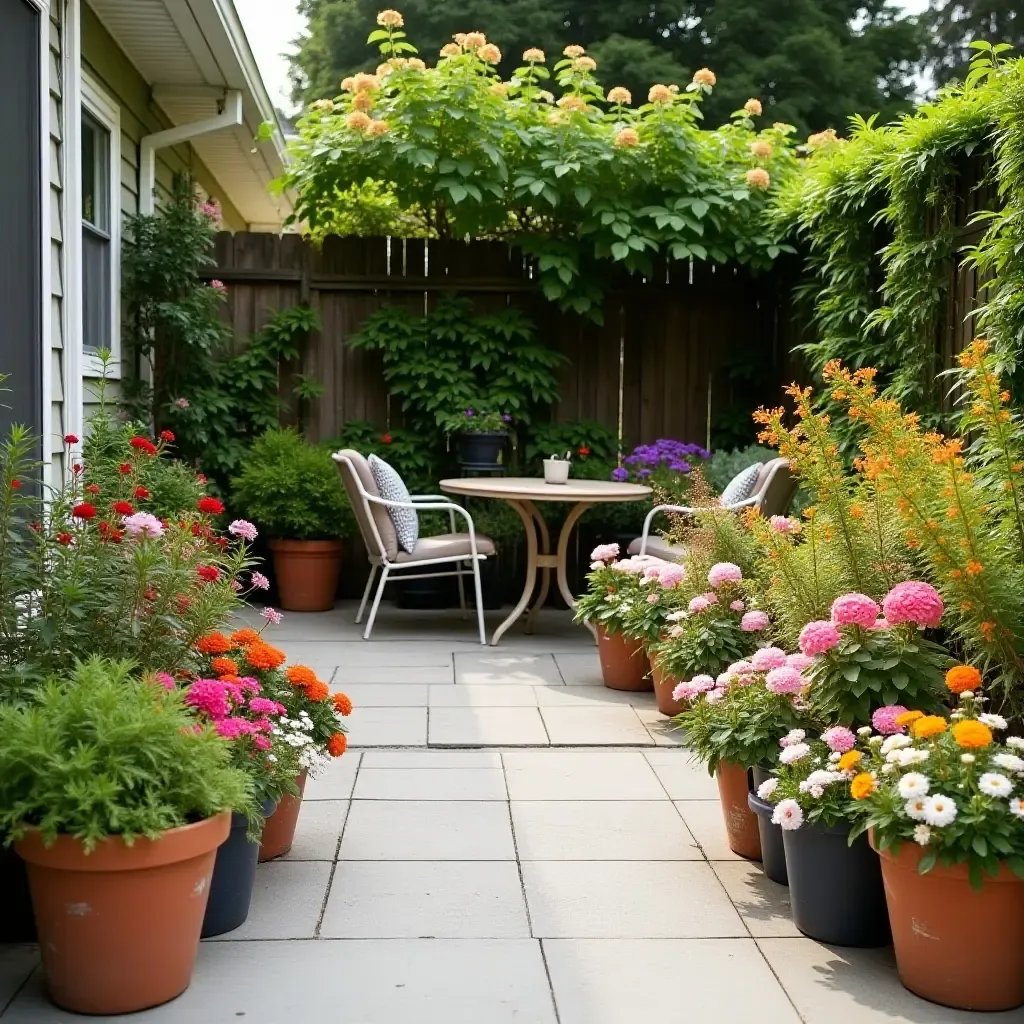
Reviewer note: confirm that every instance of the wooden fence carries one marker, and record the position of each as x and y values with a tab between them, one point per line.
647	370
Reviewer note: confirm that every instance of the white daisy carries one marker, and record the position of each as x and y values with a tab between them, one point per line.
915	808
788	814
992	721
939	810
794	753
896	741
875	741
765	790
1011	762
995	784
913	756
1015	742
913	784
890	768
922	835
1017	807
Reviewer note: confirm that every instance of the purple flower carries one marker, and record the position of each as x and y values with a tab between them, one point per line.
505	418
643	474
620	473
469	413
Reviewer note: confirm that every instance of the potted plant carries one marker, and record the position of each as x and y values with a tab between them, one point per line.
117	800
943	802
479	437
290	488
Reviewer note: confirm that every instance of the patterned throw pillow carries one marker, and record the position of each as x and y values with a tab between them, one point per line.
741	486
392	488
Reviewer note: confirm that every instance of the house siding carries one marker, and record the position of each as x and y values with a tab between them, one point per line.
55	199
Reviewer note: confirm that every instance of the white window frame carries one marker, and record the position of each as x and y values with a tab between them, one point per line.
102	107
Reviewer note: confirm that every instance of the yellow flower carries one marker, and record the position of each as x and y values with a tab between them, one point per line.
376	128
499	89
365	83
704	76
574	51
758	177
753	107
930	725
620	96
971	733
474	40
357	120
383	70
533	56
761	148
390	19
489	53
626	138
585	64
908	718
572	103
863	786
460	38
660	94
451	50
849	760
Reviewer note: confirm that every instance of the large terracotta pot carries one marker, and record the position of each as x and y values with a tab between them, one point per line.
663	687
624	664
740	820
279	828
119	927
955	945
307	573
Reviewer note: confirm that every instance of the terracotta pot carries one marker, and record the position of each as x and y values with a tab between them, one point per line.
279	828
624	664
307	573
955	945
119	927
663	687
740	820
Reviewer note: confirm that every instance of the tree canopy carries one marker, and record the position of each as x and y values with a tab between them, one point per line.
952	25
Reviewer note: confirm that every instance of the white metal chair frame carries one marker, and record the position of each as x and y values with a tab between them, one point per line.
393	571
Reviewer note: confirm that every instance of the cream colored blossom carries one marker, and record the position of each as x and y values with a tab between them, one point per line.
761	148
753	107
572	103
460	38
451	50
383	70
499	89
326	105
363	82
377	128
820	139
585	64
556	117
704	76
534	56
490	53
416	64
758	178
390	19
545	96
363	101
474	40
357	120
626	138
620	95
348	85
660	94
574	51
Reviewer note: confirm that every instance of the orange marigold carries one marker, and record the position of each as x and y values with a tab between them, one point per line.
930	725
342	704
316	690
850	760
229	677
300	675
961	678
863	786
213	643
336	744
265	657
971	733
245	637
909	717
224	666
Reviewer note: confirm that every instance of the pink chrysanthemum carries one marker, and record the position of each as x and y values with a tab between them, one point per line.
854	610
767	658
839	739
724	572
264	705
736	606
605	553
754	622
698	604
818	637
262	742
143	524
784	680
694	688
671	576
915	602
884	719
233	728
165	679
211	697
740	668
782	524
243	528
799	661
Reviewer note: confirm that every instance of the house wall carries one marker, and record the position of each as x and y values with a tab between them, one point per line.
56	341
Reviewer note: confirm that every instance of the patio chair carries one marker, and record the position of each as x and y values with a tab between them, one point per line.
465	551
773	493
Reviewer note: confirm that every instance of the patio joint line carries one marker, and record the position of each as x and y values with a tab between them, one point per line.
20	988
551	984
337	851
785	991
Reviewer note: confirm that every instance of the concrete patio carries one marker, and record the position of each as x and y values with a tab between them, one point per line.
506	841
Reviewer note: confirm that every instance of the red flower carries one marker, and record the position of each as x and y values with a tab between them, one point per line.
123	508
71	438
77	468
149	594
200	478
93	488
125	468
584	450
183	603
15	484
84	511
143	444
166	435
110	533
64	538
35	525
211	505
209	573
116	535
386	438
141	493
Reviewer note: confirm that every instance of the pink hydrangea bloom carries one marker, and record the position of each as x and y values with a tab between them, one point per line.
233	728
818	637
884	719
882	623
736	606
243	528
264	705
782	524
605	553
694	688
767	658
143	524
165	680
854	610
250	684
784	680
710	597
740	668
799	661
671	576
724	572
698	604
754	622
839	739
725	679
210	696
915	602
652	571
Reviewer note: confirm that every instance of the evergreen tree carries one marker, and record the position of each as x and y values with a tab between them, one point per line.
954	24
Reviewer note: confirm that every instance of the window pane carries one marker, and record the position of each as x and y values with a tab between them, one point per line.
95	173
96	298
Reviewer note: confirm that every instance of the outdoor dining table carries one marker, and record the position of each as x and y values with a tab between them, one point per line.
523	494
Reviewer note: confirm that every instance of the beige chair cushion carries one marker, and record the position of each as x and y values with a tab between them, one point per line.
658	547
445	545
776	489
363	509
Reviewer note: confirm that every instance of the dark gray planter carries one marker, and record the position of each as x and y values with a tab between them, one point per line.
773	852
480	450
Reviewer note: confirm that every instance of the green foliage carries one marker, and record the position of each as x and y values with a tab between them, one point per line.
416	457
292	489
607	599
954	26
102	752
475	421
725	464
589	442
452	360
703	644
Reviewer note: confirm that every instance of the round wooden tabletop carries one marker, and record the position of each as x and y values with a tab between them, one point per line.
511	488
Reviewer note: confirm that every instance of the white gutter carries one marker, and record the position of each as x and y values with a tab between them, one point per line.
149	144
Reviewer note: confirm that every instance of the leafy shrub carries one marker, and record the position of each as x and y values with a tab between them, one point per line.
590	443
102	752
416	457
724	465
292	489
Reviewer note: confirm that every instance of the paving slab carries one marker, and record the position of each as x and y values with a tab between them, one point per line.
493	727
393	675
763	904
506	667
627	900
591	697
601	830
426	899
357	655
696	981
431	759
580	775
380	830
594	726
662	730
440	784
16	963
704	820
388	727
318	830
335	780
682	777
385	695
473	695
580	668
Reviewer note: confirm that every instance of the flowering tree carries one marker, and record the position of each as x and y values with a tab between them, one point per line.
577	179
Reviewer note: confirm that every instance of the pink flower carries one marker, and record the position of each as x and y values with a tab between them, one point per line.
260	582
243	528
799	661
839	739
881	623
818	637
710	597
671	576
754	622
740	668
262	742
715	695
736	606
782	524
249	684
233	728
181	403
143	524
854	610
915	602
767	658
270	614
633	566
652	570
209	696
605	553
784	680
724	572
264	705
789	814
219	286
698	604
884	719
792	737
652	598
165	680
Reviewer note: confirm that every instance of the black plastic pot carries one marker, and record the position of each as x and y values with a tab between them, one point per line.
17	923
234	875
836	889
480	451
773	852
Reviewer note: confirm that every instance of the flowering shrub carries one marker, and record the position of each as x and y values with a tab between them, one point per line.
475	421
612	586
664	464
659	593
